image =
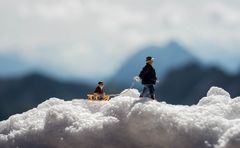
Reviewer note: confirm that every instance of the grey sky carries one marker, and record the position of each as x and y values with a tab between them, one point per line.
85	37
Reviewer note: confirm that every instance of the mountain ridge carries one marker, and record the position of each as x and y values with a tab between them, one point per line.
169	57
22	93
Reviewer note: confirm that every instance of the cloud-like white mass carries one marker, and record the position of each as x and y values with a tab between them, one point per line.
89	31
127	121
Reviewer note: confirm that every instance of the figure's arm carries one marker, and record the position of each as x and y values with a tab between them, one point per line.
96	90
155	77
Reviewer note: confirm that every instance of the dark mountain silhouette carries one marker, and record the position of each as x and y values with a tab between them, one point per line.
21	94
189	84
172	56
167	58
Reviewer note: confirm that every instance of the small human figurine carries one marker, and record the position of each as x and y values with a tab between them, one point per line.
148	77
99	93
99	90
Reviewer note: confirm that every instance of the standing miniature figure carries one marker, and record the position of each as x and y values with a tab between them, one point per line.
148	77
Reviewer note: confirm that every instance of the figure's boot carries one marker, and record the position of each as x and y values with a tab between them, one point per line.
153	97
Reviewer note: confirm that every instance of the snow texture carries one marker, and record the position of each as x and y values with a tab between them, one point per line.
126	121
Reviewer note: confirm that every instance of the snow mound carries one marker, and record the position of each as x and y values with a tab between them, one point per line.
130	93
126	122
216	91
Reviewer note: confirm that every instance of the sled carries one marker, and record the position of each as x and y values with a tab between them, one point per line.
96	97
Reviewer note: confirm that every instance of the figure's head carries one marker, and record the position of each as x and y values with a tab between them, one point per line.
101	84
149	60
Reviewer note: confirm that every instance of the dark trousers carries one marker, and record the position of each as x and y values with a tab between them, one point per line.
149	90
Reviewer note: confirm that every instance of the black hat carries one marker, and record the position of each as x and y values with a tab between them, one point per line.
100	82
149	58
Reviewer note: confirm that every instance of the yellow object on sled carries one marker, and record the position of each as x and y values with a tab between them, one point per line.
96	97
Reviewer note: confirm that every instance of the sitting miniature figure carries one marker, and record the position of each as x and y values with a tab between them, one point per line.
99	93
99	89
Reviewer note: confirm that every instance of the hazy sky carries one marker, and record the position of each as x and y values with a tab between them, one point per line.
85	37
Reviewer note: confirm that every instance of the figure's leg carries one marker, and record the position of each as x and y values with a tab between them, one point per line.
152	90
143	91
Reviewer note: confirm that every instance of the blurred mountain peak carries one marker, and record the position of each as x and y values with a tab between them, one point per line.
168	57
173	44
37	77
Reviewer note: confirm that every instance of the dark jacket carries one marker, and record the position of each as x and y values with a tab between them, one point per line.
98	90
148	75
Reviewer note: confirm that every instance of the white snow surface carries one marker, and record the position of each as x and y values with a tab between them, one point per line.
126	121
